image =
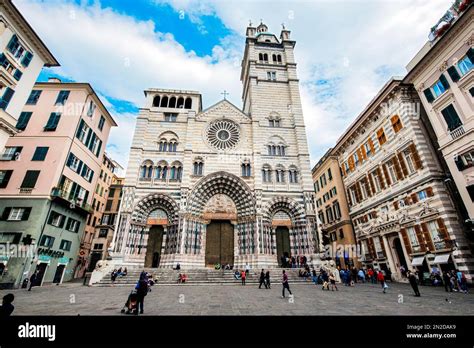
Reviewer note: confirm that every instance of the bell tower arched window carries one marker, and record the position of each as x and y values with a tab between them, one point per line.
164	102
266	174
156	101
246	169
198	167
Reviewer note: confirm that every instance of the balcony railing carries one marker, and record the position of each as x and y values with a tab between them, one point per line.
457	132
57	192
26	190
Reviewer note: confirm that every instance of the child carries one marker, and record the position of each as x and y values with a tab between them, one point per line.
332	279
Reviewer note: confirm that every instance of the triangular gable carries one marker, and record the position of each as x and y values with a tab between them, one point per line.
223	108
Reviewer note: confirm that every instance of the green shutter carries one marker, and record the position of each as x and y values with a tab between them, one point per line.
13	44
444	81
429	95
7	96
6	213
23	120
6	178
27	59
79	130
17	75
453	73
98	148
26	214
451	117
470	54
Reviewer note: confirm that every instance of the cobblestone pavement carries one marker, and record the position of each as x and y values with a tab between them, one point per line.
363	299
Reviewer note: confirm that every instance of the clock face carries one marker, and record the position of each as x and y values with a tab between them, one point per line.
223	134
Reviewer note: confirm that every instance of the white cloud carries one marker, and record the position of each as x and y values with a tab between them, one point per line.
355	45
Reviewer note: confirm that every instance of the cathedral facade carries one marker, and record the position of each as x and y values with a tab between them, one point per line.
222	185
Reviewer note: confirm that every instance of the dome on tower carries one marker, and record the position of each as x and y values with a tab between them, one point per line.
262	28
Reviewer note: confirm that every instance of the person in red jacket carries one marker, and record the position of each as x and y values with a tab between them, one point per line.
381	279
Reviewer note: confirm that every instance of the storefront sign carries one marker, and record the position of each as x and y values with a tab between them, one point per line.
44	258
63	261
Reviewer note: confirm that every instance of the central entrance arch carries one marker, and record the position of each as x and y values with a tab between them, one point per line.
219	243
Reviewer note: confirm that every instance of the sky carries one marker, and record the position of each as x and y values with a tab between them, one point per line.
345	51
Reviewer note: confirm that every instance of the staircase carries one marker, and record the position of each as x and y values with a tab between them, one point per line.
200	277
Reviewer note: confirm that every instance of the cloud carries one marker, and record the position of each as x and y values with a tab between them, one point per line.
346	51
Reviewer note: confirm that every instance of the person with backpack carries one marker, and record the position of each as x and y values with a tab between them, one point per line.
142	291
285	284
262	280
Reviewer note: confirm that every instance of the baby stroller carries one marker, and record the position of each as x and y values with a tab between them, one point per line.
131	304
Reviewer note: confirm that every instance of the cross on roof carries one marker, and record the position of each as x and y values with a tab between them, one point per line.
225	94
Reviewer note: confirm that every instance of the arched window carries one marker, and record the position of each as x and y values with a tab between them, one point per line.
180	103
164	102
198	167
156	101
260	56
172	103
278	150
180	173
246	171
265	57
281	150
293	175
146	170
188	103
273	150
162	146
274	57
280	174
173	173
266	174
164	173
172	146
279	58
158	172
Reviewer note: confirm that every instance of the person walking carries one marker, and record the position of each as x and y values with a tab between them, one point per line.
33	279
285	284
247	268
413	282
447	282
142	291
267	279
243	275
332	279
262	279
381	279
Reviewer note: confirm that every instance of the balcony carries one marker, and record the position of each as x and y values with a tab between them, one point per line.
63	196
457	132
26	190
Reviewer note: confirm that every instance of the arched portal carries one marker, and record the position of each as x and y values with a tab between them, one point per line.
223	208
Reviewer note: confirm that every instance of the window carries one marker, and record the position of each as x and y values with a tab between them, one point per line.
321	217
33	98
82	132
271	75
329	174
280	175
62	97
440	86
396	123
74	163
381	136
422	195
293	176
87	173
465	160
40	153
98	246
356	159
198	168
329	215
266	175
363	187
65	245
368	149
90	111
5	176
47	241
322	180
466	63
53	121
12	153
275	123
352	191
319	203
408	155
101	122
435	235
56	219
392	171
412	237
72	225
29	181
316	186
112	192
170	116
347	168
337	211
246	169
23	120
103	232
451	117
16	214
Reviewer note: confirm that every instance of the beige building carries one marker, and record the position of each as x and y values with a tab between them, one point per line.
400	207
104	229
99	202
22	56
442	73
333	211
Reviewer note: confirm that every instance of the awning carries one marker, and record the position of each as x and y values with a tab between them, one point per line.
417	261
441	259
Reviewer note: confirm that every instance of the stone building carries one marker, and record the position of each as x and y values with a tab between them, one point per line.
400	207
333	212
22	56
443	75
223	184
48	174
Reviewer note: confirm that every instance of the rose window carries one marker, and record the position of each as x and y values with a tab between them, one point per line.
223	134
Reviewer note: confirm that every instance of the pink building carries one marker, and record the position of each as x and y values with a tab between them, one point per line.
48	174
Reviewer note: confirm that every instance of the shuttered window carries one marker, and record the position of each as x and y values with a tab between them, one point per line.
53	121
40	153
30	179
451	117
23	120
